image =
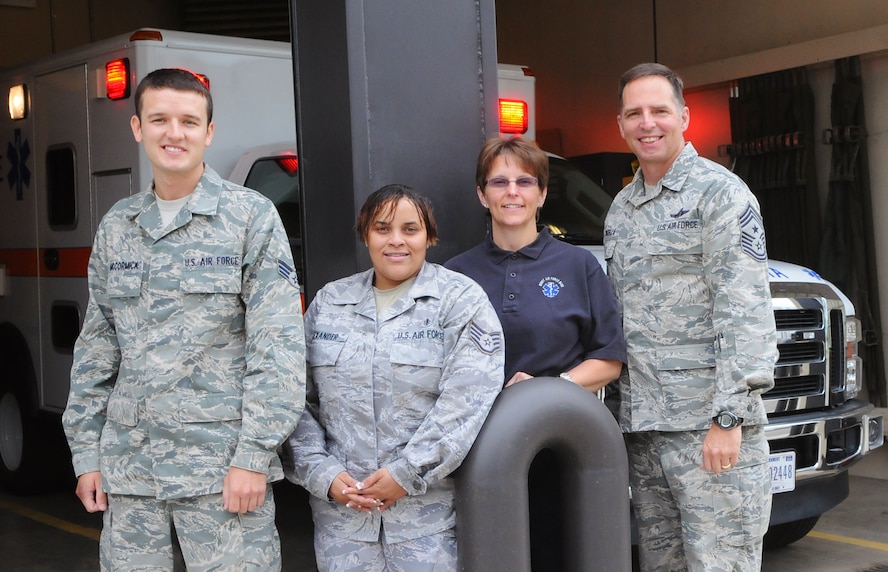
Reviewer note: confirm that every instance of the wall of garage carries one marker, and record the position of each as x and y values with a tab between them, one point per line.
578	49
32	29
44	27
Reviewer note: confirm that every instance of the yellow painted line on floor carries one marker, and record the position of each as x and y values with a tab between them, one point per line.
44	518
848	540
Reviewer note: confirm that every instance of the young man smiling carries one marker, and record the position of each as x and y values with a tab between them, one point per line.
189	371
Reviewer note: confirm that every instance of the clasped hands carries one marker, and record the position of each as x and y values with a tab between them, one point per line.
378	491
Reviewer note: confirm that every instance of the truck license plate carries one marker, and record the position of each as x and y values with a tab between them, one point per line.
782	467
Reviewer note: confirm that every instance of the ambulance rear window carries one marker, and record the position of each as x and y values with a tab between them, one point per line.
61	188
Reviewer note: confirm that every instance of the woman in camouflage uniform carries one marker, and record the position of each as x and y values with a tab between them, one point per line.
405	360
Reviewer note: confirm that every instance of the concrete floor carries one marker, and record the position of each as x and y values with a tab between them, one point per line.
51	532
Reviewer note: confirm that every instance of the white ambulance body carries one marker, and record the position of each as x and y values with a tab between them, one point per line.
66	155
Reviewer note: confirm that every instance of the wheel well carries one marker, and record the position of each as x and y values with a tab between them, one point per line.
18	368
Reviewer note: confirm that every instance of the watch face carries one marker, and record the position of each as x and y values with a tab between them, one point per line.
727	420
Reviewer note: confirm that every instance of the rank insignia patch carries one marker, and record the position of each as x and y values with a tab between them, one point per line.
288	273
486	342
753	234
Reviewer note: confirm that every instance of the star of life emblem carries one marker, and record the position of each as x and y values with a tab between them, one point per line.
487	342
550	286
753	234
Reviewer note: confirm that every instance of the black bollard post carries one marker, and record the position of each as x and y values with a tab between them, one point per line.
493	530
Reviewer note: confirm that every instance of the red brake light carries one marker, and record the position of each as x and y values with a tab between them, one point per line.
289	164
513	116
202	79
117	84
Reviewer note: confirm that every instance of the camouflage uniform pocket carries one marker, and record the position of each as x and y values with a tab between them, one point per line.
123	410
687	376
210	408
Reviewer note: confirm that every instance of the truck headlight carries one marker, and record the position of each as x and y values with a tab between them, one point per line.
853	363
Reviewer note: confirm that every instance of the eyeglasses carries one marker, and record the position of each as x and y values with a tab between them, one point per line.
503	183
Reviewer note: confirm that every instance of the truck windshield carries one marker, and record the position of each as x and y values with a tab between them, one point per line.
575	207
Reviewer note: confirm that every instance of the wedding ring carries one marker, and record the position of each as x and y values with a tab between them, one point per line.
728	466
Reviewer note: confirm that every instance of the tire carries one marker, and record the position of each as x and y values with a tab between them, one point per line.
19	470
34	456
780	535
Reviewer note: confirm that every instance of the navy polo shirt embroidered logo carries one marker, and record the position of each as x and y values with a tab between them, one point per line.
288	273
753	234
551	286
487	342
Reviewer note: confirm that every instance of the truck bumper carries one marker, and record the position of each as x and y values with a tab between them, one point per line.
826	444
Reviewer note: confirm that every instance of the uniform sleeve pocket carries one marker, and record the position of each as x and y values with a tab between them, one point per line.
123	410
692	356
210	408
687	378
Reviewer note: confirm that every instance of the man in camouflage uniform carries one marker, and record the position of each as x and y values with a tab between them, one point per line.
686	257
189	370
400	382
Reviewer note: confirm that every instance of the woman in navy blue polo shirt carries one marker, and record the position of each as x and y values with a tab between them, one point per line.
553	299
556	306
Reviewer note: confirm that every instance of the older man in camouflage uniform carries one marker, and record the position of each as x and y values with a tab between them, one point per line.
686	257
189	370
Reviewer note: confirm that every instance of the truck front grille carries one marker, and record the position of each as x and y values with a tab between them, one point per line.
796	386
807	329
800	352
810	319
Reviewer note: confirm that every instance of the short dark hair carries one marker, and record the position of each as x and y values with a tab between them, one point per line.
528	155
653	69
174	78
386	200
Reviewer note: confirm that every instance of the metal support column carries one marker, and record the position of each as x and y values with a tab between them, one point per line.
389	91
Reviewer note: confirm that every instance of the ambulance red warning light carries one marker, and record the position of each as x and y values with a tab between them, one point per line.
117	84
513	116
516	100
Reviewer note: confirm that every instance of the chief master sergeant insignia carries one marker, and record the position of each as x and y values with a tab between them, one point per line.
288	273
753	234
486	342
